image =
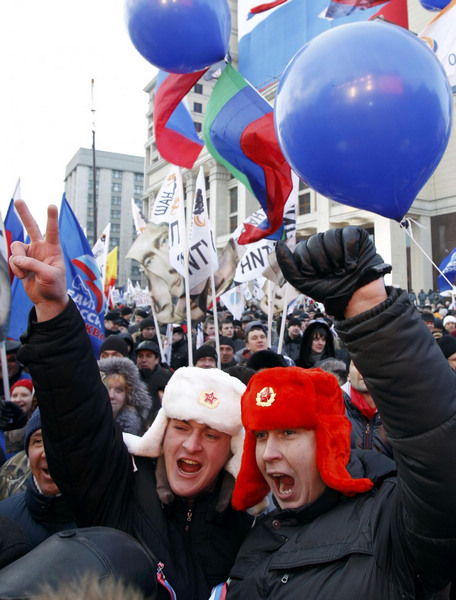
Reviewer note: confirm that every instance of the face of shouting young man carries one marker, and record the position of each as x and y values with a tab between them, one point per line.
287	461
194	456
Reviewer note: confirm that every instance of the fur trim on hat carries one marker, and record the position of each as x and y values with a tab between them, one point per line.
208	396
308	398
138	396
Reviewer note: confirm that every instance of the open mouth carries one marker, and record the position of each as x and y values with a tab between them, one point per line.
284	484
46	473
187	466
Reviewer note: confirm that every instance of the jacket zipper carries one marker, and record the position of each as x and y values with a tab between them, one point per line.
367	436
189	520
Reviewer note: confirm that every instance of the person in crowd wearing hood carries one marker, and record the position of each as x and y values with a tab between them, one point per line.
347	525
130	400
195	533
317	343
40	510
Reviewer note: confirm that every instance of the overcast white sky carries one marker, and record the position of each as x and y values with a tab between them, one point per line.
49	52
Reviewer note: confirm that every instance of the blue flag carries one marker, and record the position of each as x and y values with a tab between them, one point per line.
448	268
83	277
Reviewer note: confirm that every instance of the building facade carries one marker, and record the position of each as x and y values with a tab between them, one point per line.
432	233
119	178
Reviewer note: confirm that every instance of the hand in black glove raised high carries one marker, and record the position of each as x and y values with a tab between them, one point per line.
330	266
11	416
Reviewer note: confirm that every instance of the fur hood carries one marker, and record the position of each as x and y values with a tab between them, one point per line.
138	396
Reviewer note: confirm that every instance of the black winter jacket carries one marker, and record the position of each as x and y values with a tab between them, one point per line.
39	516
397	541
93	469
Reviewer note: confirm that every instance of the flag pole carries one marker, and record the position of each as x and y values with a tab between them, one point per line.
271	298
284	317
187	286
6	391
214	308
94	170
157	329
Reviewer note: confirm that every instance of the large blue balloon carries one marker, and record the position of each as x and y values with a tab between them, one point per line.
363	116
180	36
434	4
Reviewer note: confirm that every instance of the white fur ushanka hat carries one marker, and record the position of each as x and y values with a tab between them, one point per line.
208	396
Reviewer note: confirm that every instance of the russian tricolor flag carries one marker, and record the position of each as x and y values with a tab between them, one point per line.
175	133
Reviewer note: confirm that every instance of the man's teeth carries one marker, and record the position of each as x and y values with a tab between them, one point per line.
189	462
284	484
283	489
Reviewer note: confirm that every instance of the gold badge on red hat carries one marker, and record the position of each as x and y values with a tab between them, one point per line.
265	397
209	399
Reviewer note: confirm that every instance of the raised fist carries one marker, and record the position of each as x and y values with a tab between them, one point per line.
330	266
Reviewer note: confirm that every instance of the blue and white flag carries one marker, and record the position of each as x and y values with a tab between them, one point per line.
83	278
448	268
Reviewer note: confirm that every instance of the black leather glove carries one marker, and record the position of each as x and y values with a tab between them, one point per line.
330	266
11	416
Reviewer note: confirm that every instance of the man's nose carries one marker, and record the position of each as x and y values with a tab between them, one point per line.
192	442
271	450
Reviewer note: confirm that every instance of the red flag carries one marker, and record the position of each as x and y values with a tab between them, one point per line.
174	142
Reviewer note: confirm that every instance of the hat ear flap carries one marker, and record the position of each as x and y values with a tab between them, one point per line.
333	452
251	486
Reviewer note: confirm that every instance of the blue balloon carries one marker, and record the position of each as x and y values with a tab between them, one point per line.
179	36
434	4
363	116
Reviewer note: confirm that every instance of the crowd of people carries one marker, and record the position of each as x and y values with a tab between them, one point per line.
319	464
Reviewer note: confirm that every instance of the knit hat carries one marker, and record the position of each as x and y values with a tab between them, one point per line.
148	322
266	359
208	396
26	383
226	341
205	350
111	315
33	425
309	398
428	316
116	343
449	319
447	344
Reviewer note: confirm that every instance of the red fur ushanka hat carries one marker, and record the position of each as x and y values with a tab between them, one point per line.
291	397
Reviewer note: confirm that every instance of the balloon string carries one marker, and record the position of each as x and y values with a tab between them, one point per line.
426	255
